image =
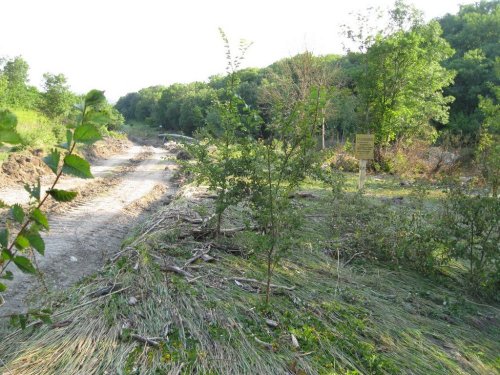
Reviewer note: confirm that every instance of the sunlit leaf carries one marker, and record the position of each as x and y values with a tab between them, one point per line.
22	242
24	264
86	133
40	218
77	166
62	195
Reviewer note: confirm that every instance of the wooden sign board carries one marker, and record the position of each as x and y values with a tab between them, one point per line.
365	144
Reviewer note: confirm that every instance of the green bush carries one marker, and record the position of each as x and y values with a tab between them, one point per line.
472	233
37	131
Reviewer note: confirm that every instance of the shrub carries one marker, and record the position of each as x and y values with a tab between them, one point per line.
472	233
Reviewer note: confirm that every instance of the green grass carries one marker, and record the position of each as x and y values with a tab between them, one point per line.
139	129
363	318
38	131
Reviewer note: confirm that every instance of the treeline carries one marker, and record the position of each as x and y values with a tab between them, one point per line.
407	79
55	101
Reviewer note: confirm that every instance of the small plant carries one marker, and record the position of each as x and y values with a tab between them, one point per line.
472	225
281	162
21	233
222	155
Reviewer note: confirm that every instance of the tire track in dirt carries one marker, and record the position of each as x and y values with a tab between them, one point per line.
82	237
101	169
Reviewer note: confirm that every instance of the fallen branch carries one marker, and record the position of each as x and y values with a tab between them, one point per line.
196	257
261	283
144	340
176	269
191	221
106	290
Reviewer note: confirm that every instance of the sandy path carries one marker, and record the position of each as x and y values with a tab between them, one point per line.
101	169
82	237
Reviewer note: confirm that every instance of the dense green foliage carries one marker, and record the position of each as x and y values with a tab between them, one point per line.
43	114
473	34
400	79
408	79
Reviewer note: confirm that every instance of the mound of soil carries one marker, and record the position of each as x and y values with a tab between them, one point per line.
105	148
27	167
22	168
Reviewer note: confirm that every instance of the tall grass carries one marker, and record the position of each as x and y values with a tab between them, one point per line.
37	130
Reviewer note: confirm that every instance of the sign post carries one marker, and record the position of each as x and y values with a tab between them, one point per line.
365	144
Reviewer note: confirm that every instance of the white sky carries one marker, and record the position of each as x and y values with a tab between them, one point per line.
122	46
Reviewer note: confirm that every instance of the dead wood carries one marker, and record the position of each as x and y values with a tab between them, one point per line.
180	271
144	340
199	255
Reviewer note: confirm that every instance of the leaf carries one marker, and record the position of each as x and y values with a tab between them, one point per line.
8	120
17	213
40	218
34	190
24	264
22	242
19	320
94	97
98	118
36	241
62	195
9	136
3	287
77	166
86	133
6	255
43	316
3	204
4	237
69	137
8	275
52	160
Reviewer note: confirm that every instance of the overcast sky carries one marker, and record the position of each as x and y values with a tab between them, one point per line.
124	45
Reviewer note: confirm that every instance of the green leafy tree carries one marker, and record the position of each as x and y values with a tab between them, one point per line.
21	233
280	162
488	151
126	105
400	79
18	93
57	99
473	33
222	157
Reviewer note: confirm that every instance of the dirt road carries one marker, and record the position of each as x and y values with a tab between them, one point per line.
84	235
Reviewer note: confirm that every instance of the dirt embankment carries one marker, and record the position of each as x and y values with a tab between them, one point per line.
28	166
